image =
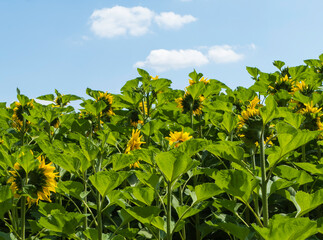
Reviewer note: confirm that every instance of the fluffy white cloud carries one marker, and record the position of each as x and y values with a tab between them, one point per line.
161	59
171	20
223	54
118	20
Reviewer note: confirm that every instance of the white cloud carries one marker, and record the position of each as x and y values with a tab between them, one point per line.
223	54
161	59
118	20
171	20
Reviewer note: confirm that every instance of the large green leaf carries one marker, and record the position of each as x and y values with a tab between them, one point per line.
287	228
143	195
306	202
196	90
173	164
186	211
106	181
205	191
71	188
62	222
227	150
144	214
269	111
289	139
89	149
298	176
193	146
316	169
236	183
6	200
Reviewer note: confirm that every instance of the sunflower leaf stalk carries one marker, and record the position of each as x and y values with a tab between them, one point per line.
169	209
263	179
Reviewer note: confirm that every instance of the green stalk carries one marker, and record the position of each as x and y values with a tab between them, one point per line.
98	199
304	160
23	217
255	196
263	179
85	199
181	201
169	209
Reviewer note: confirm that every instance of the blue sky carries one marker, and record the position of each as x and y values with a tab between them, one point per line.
72	45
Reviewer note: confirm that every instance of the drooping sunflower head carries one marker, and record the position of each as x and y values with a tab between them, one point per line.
178	137
59	101
41	178
134	142
187	102
284	83
303	88
18	118
250	122
107	98
202	79
134	118
312	116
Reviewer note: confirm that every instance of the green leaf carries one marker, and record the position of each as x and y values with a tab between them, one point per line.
229	122
173	164
196	90
307	202
253	71
71	188
120	161
106	181
6	200
93	107
205	191
298	176
315	169
284	227
296	71
289	139
150	179
228	151
188	211
152	127
48	97
143	73
236	183
193	146
62	222
144	214
144	195
278	64
89	149
269	111
67	162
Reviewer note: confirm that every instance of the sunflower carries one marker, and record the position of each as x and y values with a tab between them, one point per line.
309	108
249	113
107	99
303	88
41	178
202	79
134	118
18	118
186	102
59	101
154	78
284	83
178	137
133	144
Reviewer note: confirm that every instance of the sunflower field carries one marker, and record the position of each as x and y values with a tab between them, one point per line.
206	162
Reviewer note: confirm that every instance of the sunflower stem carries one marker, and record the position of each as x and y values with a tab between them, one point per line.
255	196
85	199
169	209
263	179
23	217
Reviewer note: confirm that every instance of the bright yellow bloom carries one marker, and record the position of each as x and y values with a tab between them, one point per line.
107	99
202	79
178	138
250	112
42	178
134	142
135	124
154	78
300	86
309	108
